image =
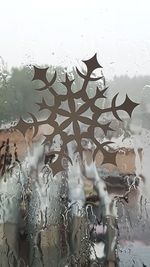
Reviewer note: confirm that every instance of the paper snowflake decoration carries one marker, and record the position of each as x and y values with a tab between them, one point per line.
75	115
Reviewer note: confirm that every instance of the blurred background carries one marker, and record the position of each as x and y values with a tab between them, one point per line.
59	35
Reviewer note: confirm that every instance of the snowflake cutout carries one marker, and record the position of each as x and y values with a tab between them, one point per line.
75	115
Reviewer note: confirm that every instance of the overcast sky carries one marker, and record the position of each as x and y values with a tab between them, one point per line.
66	32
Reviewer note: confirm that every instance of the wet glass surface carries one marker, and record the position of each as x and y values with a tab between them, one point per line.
67	209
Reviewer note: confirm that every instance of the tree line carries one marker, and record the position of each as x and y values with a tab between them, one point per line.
18	95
